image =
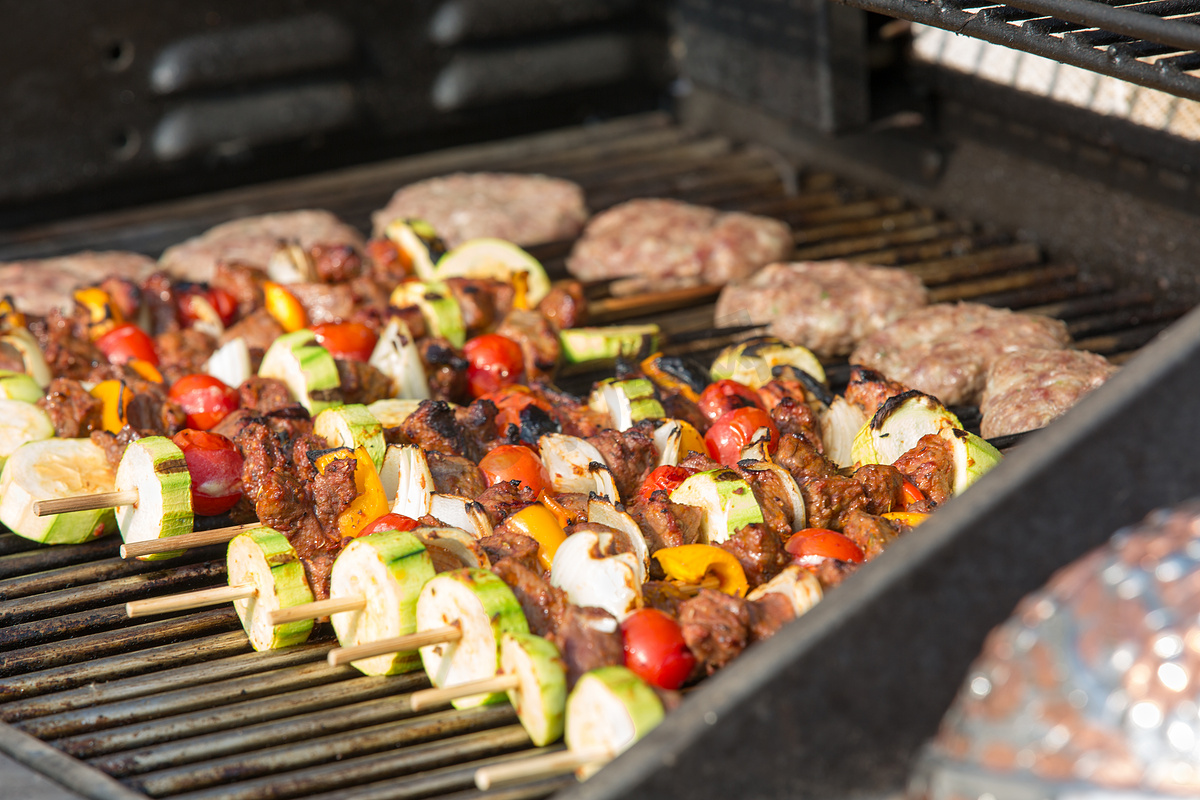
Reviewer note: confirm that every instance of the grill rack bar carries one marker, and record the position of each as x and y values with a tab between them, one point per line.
123	698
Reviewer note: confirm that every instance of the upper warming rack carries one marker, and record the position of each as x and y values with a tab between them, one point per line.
1154	44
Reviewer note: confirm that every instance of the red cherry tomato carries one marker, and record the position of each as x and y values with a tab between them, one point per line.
126	342
216	469
349	341
514	462
732	432
493	362
509	402
655	649
390	522
912	495
719	398
224	303
665	477
205	400
817	543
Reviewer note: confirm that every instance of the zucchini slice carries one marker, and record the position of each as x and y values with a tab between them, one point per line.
483	608
19	386
417	241
608	710
155	468
21	422
308	370
540	698
753	363
438	307
498	260
263	557
727	500
56	468
898	425
580	345
352	426
388	569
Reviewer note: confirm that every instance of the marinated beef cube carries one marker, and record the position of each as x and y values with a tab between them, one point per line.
73	411
114	444
317	554
832	572
760	552
799	457
455	475
587	638
871	533
564	305
544	605
677	406
664	596
361	382
716	627
772	498
235	420
289	422
768	614
150	413
507	543
482	301
303	461
333	491
258	328
700	462
324	302
884	487
69	353
505	499
125	293
242	281
868	389
930	466
336	263
536	422
796	418
575	504
538	340
183	352
666	524
480	431
445	369
826	500
630	456
158	297
263	394
280	502
433	427
572	414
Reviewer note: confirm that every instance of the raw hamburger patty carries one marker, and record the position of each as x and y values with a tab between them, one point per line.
827	306
523	209
1026	389
659	240
252	241
946	350
39	285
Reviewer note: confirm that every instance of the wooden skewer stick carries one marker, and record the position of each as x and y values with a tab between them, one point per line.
428	698
189	600
185	541
85	502
321	608
538	767
341	656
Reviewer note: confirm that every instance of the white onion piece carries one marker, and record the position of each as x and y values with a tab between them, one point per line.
798	585
460	512
291	264
396	356
406	480
839	425
603	512
456	543
609	582
575	465
667	439
230	363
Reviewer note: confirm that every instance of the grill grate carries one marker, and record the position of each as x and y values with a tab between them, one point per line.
180	707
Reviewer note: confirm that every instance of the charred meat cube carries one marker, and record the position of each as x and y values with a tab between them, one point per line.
455	475
760	552
930	466
433	426
588	638
630	456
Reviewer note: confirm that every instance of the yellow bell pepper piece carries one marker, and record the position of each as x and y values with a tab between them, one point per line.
538	523
145	369
909	518
114	396
690	440
9	316
103	315
693	563
520	284
284	307
668	381
371	502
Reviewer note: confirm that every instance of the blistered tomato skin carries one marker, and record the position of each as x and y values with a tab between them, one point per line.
349	341
126	342
510	401
494	361
215	465
205	400
666	477
514	462
732	432
812	544
721	397
390	522
655	649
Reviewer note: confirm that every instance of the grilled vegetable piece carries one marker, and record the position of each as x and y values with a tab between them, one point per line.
973	456
19	386
539	523
608	710
800	586
898	425
55	468
727	500
418	243
387	569
308	370
396	356
230	363
264	558
452	548
370	503
602	511
391	412
155	468
483	608
626	402
20	423
575	465
694	563
352	426
540	698
753	363
840	423
595	344
26	345
498	260
442	315
406	479
595	570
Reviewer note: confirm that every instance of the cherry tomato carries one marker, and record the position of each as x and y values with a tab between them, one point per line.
912	495
655	649
205	400
732	432
719	398
509	402
665	477
349	341
494	361
224	303
126	342
390	522
817	543
514	462
216	469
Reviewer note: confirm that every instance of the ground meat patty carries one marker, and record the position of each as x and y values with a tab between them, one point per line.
1027	389
827	306
947	350
656	240
253	240
525	209
39	285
